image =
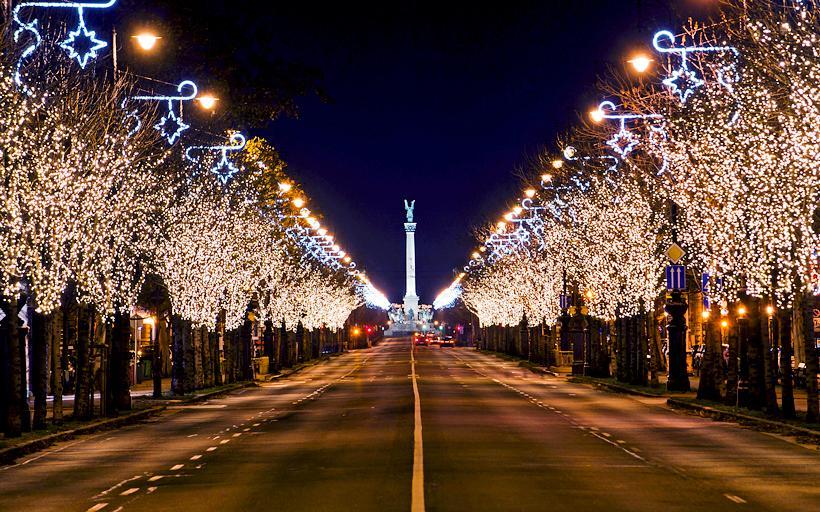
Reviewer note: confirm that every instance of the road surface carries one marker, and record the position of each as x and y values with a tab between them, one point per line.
345	436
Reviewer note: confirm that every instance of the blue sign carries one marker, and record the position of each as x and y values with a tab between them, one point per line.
564	301
675	277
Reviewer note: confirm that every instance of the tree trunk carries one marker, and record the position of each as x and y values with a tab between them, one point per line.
711	373
40	326
246	371
57	358
787	382
84	388
768	328
188	356
178	369
813	405
732	367
10	338
119	373
754	341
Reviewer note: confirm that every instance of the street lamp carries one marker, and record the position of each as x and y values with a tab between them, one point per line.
640	63
298	202
596	115
146	40
207	101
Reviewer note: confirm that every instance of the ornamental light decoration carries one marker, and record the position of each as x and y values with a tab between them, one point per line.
172	125
224	169
683	81
70	44
623	141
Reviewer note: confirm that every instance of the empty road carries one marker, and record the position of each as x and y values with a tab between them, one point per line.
344	436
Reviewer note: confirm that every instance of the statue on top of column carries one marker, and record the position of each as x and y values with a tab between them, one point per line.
409	207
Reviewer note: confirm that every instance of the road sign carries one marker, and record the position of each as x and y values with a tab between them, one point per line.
674	253
675	277
564	301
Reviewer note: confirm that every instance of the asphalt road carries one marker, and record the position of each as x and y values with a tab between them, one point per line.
344	436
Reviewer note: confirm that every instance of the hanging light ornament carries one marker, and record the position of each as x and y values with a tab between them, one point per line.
81	44
172	125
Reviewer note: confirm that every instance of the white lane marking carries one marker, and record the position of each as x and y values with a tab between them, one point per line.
98	506
129	491
736	499
193	435
417	496
150	490
225	441
177	467
210	448
196	457
116	486
155	478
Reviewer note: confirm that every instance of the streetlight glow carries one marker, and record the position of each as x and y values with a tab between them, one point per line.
640	63
298	202
596	115
530	193
146	40
285	187
207	101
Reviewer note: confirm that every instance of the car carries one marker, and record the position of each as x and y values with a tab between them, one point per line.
447	341
420	340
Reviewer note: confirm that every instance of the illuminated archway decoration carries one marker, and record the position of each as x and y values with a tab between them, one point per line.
684	81
81	44
224	169
171	126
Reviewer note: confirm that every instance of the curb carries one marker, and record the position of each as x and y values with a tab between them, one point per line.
717	414
10	454
612	387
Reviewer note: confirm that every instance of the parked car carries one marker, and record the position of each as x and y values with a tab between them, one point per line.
447	341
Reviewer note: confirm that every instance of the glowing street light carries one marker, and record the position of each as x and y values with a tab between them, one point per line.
207	101
596	115
558	163
640	63
530	193
146	40
298	202
285	187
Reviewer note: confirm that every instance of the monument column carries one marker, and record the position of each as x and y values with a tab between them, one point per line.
411	300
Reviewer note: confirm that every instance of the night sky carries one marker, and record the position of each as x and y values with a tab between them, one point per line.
435	103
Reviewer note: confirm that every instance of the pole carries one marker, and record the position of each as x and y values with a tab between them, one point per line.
114	49
676	307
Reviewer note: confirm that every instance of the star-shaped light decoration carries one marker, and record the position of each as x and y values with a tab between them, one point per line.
683	82
224	169
171	127
82	44
623	142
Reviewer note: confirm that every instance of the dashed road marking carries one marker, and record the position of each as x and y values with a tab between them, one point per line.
129	491
97	507
736	499
177	467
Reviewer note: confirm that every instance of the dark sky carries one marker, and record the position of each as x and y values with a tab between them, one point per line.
435	102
